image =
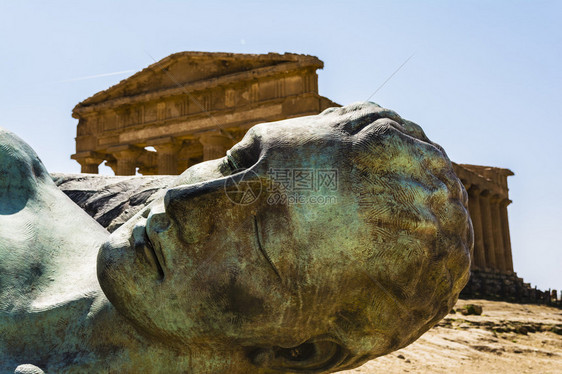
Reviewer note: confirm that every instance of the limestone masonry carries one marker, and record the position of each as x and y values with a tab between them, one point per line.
193	106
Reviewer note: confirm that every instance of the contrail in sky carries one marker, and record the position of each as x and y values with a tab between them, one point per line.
96	76
391	75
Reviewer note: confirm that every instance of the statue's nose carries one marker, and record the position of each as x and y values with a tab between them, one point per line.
158	221
185	202
192	209
196	209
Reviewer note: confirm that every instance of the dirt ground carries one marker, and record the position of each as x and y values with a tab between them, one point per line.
506	338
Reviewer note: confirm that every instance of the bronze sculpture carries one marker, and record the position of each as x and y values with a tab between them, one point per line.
197	282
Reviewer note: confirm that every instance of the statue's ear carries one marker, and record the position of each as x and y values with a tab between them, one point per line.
313	356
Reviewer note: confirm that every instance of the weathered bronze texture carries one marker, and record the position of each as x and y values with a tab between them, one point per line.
218	275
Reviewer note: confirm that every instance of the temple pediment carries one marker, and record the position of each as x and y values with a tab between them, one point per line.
183	69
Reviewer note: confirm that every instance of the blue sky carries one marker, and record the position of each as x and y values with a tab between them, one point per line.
484	81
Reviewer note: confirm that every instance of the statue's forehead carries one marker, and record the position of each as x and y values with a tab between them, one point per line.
295	130
331	126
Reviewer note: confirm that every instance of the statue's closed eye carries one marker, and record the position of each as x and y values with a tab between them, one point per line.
303	352
244	154
231	162
310	357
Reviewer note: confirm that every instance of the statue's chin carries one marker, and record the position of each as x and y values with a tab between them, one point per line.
108	271
130	282
119	274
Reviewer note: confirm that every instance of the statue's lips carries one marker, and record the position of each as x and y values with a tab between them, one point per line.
152	253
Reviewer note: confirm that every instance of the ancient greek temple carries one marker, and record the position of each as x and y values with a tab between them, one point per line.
487	202
193	106
190	107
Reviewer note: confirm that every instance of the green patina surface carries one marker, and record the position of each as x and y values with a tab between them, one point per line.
232	271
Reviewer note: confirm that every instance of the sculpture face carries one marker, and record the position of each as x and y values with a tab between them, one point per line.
318	284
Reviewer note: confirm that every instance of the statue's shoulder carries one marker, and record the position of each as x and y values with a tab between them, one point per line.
20	171
23	253
17	155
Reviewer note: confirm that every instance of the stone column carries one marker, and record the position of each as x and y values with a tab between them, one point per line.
147	163
476	217
506	237
167	150
497	230
89	161
112	163
167	164
215	145
190	150
90	165
126	157
487	232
